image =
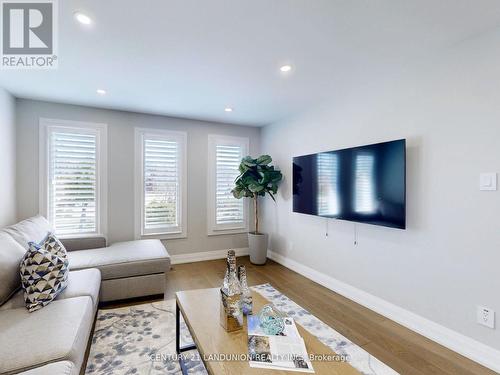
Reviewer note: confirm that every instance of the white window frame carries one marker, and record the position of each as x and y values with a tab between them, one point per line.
181	137
214	229
46	126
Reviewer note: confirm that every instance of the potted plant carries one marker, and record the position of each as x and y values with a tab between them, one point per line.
257	178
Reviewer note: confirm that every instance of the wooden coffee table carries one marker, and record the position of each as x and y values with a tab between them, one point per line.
200	310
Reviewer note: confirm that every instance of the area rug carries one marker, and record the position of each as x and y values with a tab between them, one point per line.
140	339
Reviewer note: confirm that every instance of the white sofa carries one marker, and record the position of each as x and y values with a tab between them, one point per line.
53	340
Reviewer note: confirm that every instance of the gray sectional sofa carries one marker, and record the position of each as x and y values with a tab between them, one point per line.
53	340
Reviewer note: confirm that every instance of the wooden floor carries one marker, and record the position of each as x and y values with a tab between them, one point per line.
405	351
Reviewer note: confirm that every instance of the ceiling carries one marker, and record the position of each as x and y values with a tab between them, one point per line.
193	58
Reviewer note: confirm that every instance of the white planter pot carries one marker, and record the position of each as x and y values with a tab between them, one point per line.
257	244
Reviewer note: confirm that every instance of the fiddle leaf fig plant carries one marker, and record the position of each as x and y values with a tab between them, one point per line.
257	178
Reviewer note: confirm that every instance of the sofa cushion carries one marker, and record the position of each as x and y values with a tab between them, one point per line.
11	254
123	259
33	229
44	275
83	283
80	283
58	332
56	368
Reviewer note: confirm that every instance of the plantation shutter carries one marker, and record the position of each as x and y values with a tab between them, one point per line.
365	184
161	184
229	211
72	198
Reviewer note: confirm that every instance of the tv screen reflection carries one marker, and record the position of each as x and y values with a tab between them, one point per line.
363	184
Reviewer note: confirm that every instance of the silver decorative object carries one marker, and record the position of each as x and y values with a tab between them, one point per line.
246	295
231	314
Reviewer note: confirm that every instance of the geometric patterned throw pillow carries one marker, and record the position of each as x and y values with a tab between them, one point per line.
44	275
51	243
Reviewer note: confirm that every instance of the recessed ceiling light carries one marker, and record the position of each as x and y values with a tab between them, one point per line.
101	91
83	18
286	68
228	109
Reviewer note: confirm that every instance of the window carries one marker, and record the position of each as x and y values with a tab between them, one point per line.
160	183
365	184
226	213
73	177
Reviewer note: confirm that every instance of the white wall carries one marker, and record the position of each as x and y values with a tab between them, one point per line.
448	260
7	159
121	168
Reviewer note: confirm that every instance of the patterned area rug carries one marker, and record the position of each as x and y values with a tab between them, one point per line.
141	339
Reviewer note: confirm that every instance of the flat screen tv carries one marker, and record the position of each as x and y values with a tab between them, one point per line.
365	184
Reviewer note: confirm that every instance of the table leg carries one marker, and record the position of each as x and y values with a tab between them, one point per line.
178	348
177	329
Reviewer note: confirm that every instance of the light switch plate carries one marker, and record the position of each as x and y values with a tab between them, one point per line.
488	181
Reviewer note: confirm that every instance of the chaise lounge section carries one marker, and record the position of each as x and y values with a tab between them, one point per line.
53	340
128	269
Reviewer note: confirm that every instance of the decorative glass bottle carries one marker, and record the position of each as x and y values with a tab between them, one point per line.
231	259
231	314
246	295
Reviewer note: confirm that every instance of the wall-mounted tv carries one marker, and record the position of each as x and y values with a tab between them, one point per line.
365	184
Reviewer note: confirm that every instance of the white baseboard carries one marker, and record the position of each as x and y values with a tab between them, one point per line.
464	345
206	255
